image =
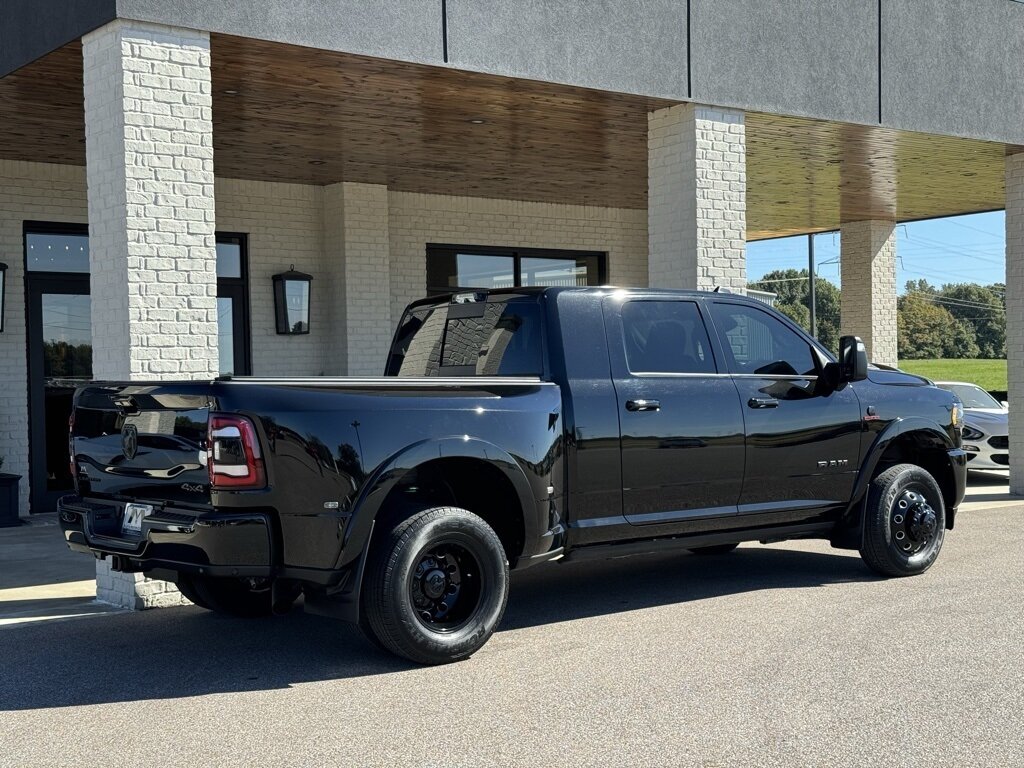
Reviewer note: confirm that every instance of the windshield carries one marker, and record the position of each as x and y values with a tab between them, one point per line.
474	338
972	396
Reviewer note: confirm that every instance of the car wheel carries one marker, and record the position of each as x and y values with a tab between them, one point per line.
905	522
250	598
437	586
717	549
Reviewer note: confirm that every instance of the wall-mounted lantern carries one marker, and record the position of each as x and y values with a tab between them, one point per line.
3	286
291	301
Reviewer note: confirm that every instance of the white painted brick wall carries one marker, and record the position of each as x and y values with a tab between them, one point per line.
1015	315
697	186
149	147
418	219
868	279
28	192
152	257
283	224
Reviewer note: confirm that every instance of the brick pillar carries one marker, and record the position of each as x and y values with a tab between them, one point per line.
357	250
149	167
1015	316
697	197
868	281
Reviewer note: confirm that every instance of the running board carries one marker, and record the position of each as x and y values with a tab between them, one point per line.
768	535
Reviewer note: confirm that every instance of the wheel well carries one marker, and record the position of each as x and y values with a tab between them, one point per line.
469	483
926	451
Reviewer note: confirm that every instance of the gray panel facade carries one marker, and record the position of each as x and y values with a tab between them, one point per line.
30	29
799	57
947	66
405	30
954	67
629	47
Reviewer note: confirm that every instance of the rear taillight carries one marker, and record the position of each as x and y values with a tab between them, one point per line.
233	454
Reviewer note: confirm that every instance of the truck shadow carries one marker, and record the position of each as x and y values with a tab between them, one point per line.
180	652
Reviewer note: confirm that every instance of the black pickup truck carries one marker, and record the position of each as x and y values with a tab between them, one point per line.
512	428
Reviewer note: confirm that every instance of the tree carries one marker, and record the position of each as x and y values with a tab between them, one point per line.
792	286
926	329
980	307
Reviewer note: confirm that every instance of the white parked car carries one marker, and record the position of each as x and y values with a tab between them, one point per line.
986	426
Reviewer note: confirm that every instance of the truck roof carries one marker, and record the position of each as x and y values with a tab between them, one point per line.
596	290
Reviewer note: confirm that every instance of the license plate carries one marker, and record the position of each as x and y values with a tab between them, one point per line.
133	517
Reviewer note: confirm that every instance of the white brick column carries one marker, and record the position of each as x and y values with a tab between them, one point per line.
149	168
697	197
868	282
1015	316
357	251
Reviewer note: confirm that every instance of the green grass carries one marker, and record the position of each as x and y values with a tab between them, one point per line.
987	374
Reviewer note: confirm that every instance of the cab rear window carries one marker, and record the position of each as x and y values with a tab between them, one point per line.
473	338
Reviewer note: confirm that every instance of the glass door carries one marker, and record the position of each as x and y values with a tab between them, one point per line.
60	358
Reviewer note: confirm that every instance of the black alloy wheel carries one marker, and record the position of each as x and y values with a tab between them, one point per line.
445	586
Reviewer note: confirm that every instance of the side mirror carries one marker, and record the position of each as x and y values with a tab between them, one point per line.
853	359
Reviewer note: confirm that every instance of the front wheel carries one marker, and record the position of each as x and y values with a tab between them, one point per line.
437	586
905	521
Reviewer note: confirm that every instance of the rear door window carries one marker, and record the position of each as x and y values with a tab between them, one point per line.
666	337
488	338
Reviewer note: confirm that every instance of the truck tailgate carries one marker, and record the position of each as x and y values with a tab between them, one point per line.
142	442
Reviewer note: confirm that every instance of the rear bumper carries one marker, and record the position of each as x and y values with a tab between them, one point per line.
217	544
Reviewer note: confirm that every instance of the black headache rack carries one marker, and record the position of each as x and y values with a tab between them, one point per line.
235	544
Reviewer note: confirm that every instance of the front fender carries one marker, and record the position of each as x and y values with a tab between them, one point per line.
849	533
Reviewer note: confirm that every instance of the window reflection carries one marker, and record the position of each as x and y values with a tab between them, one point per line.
57	253
297	301
457	268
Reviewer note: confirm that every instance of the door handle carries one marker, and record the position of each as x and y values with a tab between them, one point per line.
763	402
643	405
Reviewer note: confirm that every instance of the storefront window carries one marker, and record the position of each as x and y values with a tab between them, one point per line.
458	268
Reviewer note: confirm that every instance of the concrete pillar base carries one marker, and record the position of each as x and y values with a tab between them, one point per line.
134	591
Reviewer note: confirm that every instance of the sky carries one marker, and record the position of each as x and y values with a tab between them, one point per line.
960	249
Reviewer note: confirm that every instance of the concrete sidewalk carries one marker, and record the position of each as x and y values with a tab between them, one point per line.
41	579
988	490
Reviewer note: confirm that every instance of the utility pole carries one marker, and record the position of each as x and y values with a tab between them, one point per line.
813	279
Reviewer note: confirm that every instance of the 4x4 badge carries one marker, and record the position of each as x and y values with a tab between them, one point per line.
129	441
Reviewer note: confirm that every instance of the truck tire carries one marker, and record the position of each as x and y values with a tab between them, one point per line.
904	521
231	596
436	586
715	549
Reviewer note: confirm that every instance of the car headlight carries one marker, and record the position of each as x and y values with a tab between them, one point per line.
970	433
956	414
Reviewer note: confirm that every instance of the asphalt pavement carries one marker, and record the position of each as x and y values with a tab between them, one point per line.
791	654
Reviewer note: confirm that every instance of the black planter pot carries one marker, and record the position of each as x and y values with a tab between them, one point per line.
9	500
